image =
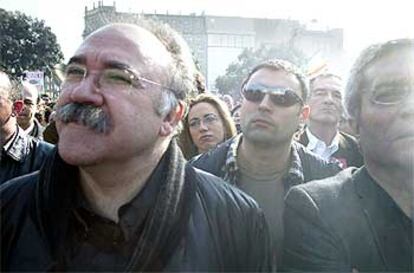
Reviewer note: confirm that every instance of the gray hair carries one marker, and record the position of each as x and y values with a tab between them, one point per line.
182	77
288	67
372	53
8	86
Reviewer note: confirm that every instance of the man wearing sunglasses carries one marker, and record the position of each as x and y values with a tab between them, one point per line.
19	154
117	194
321	134
264	161
362	219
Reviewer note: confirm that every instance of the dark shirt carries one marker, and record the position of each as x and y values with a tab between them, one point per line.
99	244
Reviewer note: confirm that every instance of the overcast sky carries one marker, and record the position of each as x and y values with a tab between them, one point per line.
364	22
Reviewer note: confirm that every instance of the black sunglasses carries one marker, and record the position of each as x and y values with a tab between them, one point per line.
279	95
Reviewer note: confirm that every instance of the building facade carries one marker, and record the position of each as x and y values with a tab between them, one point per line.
216	41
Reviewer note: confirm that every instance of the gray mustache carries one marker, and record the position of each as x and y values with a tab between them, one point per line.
87	115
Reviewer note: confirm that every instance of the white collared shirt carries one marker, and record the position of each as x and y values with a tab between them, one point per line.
28	129
319	147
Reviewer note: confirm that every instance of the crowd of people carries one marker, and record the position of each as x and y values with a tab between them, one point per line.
136	167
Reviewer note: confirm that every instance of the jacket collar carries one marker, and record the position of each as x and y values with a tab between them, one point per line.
19	147
385	219
294	175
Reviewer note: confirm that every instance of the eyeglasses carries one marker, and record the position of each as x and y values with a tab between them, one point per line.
391	95
280	96
207	120
112	78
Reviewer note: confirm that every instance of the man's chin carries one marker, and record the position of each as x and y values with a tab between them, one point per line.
77	154
326	120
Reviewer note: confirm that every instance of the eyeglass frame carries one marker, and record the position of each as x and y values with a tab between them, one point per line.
203	120
398	102
136	81
276	90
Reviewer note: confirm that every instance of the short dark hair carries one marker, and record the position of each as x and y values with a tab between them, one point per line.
288	67
368	56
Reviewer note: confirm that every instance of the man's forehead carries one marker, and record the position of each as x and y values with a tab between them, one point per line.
125	44
395	67
332	81
274	77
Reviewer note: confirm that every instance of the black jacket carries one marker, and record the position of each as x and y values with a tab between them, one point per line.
346	223
226	230
25	155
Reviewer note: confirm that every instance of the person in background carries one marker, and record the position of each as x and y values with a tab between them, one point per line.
321	134
229	101
26	118
19	154
362	219
207	124
235	114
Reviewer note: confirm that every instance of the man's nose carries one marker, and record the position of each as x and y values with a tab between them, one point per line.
266	103
329	98
87	92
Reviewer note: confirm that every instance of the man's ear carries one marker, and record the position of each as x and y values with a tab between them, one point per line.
304	114
18	106
172	119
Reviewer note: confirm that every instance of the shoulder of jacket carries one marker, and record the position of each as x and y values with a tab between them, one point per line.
329	188
18	190
215	155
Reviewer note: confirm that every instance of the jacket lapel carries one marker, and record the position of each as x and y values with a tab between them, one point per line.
385	222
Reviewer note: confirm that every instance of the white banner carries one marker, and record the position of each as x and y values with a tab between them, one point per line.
36	78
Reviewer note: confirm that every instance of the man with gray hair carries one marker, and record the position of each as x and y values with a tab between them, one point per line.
321	134
362	219
19	153
117	193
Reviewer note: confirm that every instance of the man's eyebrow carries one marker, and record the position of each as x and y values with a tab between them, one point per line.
107	64
77	60
393	82
117	65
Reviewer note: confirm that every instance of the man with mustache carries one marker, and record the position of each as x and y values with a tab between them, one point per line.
117	193
321	135
264	161
362	219
19	153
